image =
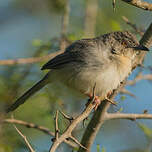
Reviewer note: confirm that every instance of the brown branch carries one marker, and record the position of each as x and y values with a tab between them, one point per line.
99	116
29	60
137	30
138	78
76	141
90	18
66	116
65	24
140	4
23	75
25	139
65	18
56	126
94	125
125	91
40	128
130	116
114	5
68	131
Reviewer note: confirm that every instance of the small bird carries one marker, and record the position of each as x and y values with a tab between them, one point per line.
105	61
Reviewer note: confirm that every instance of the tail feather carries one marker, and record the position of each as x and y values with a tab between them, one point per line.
28	94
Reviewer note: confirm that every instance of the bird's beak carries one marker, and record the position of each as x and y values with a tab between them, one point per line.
141	48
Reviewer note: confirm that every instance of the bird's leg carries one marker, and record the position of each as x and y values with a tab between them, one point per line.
109	93
96	101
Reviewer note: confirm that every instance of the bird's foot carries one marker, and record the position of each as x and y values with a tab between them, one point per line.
96	101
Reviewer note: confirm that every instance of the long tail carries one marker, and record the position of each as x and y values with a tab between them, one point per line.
28	93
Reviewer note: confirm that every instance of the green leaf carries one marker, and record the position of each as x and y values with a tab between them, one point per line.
75	149
120	110
147	131
115	25
98	148
37	42
122	98
103	149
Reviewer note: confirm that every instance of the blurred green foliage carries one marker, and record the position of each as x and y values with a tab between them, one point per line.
14	80
147	131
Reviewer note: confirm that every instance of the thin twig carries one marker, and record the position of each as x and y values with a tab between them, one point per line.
91	11
56	126
137	30
14	90
73	124
114	5
29	60
76	141
65	18
66	116
125	91
25	139
140	4
29	125
139	78
65	24
130	116
37	127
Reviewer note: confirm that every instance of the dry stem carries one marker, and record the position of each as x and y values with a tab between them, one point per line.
72	126
29	60
38	127
99	116
25	139
140	4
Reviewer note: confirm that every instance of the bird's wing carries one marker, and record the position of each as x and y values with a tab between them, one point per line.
58	62
76	52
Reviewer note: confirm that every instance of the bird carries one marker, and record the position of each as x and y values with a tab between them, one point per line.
105	60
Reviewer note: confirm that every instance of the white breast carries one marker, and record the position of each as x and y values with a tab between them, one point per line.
83	81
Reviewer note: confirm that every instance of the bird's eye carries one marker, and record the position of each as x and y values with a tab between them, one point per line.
113	51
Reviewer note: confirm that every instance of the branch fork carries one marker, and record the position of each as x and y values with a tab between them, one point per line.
68	132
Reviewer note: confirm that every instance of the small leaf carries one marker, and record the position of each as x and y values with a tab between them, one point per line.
103	149
147	131
75	149
98	148
37	42
120	110
122	98
115	25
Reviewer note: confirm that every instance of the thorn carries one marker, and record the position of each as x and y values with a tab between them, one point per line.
77	142
112	102
66	116
24	138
